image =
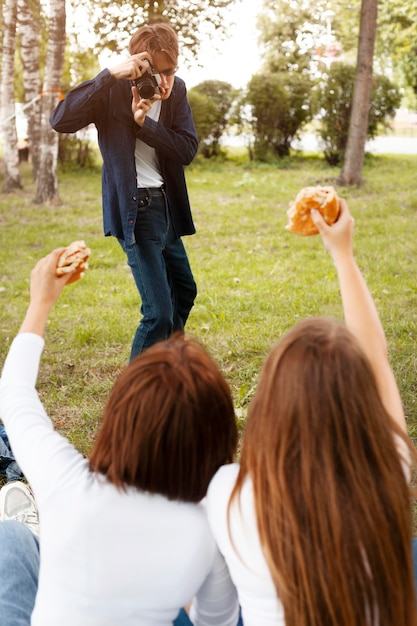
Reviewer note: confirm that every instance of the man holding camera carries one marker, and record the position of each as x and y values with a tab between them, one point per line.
146	136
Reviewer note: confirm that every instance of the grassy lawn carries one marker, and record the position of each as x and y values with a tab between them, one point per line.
254	278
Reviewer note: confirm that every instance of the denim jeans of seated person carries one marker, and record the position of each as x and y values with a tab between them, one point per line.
19	571
8	466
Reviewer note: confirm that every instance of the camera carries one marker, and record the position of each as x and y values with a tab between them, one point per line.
148	84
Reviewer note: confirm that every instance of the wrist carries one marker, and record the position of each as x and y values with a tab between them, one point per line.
36	318
139	120
342	257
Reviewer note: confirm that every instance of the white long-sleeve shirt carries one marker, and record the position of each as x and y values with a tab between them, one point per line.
242	549
108	557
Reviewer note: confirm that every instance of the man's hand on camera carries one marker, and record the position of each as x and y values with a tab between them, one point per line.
140	106
134	67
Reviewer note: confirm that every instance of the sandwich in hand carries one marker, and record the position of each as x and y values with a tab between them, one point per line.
324	199
74	258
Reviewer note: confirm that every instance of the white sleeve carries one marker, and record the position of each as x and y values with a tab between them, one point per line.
216	602
42	453
22	362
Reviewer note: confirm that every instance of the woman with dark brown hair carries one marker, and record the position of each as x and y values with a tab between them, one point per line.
315	524
124	536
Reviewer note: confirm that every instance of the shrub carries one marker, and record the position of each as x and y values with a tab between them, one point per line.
280	105
211	103
76	149
335	93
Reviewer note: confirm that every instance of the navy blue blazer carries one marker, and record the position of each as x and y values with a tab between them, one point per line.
106	102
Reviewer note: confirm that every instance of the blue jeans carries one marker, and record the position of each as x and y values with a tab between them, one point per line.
19	570
8	466
162	273
184	620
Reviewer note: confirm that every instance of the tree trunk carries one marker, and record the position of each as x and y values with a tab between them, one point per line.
358	127
47	181
29	29
8	120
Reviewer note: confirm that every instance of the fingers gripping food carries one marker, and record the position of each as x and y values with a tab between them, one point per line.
74	257
324	199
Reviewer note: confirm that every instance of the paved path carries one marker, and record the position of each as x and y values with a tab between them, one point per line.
379	145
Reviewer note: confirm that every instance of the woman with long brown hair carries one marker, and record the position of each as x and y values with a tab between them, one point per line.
315	524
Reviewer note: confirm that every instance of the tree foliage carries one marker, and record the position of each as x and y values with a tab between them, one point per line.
299	37
80	64
113	21
279	95
286	36
397	38
293	31
280	105
334	98
211	102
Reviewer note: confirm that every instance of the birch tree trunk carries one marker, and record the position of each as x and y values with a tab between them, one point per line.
7	102
46	180
358	127
28	18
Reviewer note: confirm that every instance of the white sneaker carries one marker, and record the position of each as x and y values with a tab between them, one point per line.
17	502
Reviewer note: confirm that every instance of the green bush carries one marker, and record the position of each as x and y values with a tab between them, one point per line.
280	105
334	100
211	103
76	150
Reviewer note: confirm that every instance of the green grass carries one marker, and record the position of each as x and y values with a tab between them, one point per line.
254	278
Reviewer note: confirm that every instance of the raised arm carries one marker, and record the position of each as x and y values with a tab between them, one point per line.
45	289
86	103
359	309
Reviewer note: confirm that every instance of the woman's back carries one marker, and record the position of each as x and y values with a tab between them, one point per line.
131	558
124	537
305	543
321	493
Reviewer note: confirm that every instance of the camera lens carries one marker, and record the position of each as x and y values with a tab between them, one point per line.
146	88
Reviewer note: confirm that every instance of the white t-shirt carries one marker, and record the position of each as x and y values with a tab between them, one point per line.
147	165
108	557
247	564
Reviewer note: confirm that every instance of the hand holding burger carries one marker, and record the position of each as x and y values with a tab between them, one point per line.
74	259
47	280
323	199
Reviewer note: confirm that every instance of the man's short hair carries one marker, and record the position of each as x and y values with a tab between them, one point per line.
155	38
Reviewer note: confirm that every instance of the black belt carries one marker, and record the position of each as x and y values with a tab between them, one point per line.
149	192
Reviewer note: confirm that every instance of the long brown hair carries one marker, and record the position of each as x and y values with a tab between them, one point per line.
168	424
331	497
